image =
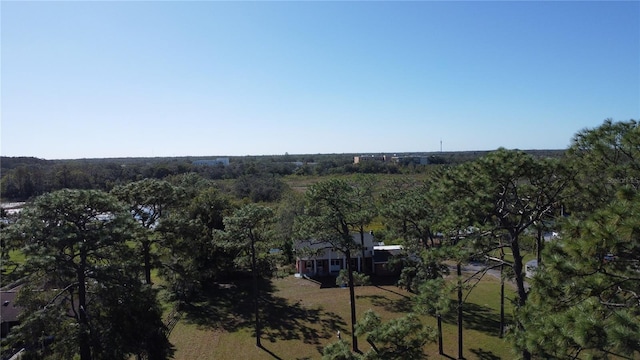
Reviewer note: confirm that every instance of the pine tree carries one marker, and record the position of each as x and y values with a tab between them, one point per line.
585	300
248	229
83	287
330	216
492	203
148	201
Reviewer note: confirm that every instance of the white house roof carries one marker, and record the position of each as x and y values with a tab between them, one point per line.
369	242
387	247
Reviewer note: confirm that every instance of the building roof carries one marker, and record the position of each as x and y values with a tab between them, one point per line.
8	310
369	241
387	247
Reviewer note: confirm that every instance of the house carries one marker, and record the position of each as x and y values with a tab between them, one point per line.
381	256
321	259
8	311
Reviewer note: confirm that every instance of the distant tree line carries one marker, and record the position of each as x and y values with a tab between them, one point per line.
25	177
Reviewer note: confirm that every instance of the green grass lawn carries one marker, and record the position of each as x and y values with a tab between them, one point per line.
301	183
301	317
17	256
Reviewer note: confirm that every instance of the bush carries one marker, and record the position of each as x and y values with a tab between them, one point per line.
359	279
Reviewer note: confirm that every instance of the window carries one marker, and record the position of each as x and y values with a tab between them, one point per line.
335	262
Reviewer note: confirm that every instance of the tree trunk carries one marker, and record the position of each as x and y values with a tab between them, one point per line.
440	350
352	300
362	265
256	308
539	247
460	355
83	321
501	300
146	253
522	292
502	295
431	239
518	272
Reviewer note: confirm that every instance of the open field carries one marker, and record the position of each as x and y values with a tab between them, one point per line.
301	317
301	183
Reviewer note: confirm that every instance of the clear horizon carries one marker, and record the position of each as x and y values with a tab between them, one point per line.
173	79
212	157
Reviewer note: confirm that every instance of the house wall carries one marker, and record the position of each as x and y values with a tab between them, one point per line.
382	269
324	267
318	267
5	327
329	261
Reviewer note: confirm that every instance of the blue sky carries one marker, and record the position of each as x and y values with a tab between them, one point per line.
141	79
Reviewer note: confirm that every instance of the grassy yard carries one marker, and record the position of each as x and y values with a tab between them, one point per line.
301	183
301	317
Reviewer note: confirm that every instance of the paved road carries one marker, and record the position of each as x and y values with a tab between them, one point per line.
475	267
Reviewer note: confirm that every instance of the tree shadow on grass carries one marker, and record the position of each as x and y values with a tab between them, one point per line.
284	321
231	308
327	281
402	305
219	307
392	291
485	355
477	317
380	280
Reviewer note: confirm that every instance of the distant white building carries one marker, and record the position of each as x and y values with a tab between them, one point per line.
366	158
413	159
223	160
